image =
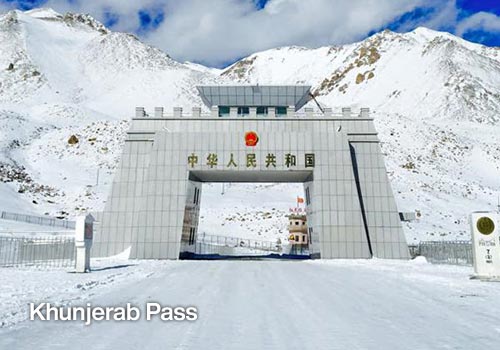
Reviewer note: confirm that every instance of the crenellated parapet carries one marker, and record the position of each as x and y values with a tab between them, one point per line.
253	113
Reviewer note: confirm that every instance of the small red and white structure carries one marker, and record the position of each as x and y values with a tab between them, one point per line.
297	225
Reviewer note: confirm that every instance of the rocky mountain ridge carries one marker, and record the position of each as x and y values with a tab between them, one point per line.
435	99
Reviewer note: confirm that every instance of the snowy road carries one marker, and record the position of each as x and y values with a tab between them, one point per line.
289	305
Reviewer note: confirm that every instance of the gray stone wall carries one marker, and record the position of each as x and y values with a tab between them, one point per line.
350	205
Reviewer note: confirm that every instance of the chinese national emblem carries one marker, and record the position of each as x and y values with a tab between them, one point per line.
251	138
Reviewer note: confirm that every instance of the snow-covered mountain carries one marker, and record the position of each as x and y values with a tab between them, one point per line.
67	74
435	97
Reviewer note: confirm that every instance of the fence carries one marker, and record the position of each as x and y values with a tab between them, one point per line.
436	252
234	246
59	251
236	242
230	246
37	251
38	220
444	252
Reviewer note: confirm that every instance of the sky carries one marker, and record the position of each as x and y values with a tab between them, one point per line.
216	33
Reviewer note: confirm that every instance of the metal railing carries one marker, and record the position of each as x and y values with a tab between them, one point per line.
235	246
236	242
38	220
37	251
444	252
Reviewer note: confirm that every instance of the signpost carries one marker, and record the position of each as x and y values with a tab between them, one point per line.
84	232
486	245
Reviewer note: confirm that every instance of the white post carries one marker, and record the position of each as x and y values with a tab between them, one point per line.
196	112
271	112
346	112
364	113
177	112
327	112
139	112
309	112
233	112
486	245
158	112
84	231
253	112
214	112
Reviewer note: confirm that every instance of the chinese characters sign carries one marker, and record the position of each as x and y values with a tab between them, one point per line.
297	210
270	160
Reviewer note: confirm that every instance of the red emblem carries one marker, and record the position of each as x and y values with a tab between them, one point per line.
251	138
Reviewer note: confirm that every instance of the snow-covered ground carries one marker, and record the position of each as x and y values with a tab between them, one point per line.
60	285
355	304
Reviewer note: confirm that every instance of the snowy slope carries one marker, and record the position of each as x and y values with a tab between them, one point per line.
64	75
436	103
435	97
